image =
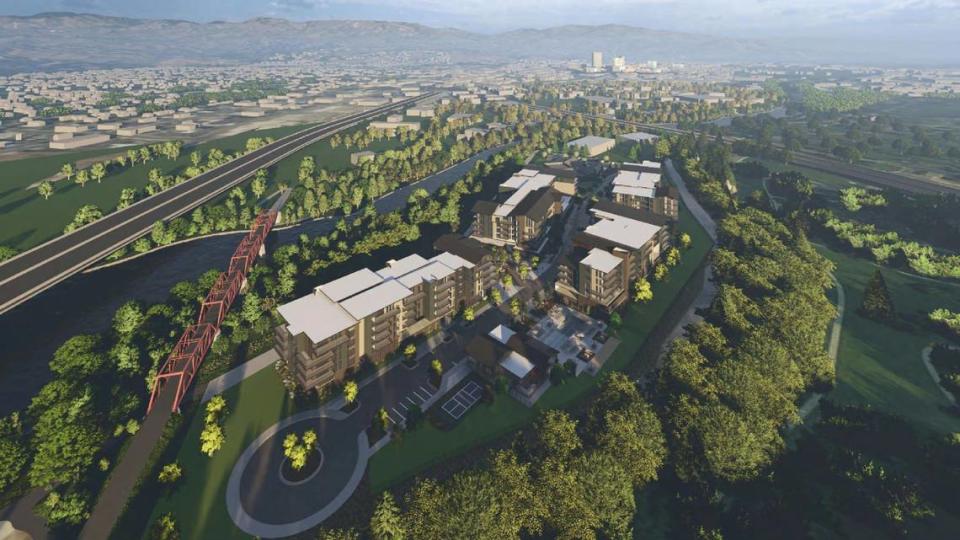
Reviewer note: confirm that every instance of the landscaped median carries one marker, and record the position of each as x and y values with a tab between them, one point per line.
486	421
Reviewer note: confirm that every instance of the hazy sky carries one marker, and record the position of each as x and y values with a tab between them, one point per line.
925	20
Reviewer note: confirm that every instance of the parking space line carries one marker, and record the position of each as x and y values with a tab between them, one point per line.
419	396
428	392
411	401
404	406
396	411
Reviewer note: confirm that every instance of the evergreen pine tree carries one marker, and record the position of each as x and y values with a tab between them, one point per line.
877	303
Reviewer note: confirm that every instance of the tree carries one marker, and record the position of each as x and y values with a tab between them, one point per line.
685	241
98	171
78	357
507	281
660	272
350	391
13	451
45	189
387	522
436	367
165	528
211	439
495	295
127	319
82	177
515	308
383	417
170	473
642	291
410	351
67	170
258	186
468	314
877	303
673	256
252	307
127	195
615	320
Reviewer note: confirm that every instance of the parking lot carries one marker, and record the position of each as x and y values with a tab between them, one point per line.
399	410
463	400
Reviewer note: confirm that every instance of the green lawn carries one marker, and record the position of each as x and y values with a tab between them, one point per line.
428	445
27	220
880	366
199	503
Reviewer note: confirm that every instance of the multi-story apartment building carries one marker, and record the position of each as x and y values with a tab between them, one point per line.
609	255
638	185
369	313
473	282
526	202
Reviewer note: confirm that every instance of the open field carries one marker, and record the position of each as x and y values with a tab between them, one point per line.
880	366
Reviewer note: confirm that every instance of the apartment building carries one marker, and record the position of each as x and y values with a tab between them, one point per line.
609	255
639	185
476	281
369	313
527	200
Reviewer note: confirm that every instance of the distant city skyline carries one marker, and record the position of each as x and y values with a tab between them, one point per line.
925	21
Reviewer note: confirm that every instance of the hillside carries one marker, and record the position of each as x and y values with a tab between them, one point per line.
53	41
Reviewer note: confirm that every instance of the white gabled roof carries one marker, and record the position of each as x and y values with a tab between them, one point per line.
451	260
621	230
350	284
601	260
317	316
637	179
431	271
517	364
373	300
401	266
590	140
502	333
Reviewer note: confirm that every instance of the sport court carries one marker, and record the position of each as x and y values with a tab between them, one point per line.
463	400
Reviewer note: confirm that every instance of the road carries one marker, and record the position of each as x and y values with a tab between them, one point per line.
47	264
816	162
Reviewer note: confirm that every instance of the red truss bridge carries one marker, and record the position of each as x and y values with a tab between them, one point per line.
184	361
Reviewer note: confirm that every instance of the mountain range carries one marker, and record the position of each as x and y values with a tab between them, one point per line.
54	41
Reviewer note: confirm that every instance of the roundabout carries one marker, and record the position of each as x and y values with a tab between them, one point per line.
293	477
267	498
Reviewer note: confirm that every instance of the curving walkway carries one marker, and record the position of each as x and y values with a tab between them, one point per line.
833	347
925	356
255	489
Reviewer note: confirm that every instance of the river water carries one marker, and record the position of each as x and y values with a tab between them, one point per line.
85	303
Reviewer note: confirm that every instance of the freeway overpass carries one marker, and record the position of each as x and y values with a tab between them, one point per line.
813	161
40	268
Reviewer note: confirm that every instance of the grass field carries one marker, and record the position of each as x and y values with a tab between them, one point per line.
879	366
199	501
27	220
428	445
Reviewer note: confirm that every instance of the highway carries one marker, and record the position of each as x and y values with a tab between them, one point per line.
813	161
33	271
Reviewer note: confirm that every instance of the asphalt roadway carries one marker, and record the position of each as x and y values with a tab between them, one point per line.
30	272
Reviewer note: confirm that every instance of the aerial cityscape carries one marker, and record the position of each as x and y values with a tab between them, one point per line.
407	269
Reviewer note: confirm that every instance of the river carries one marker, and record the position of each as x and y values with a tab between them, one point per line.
85	303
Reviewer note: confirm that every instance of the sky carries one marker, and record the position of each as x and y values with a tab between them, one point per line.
921	20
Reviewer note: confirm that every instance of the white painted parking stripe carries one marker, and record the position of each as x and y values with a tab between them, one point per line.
416	393
394	409
404	406
429	393
411	401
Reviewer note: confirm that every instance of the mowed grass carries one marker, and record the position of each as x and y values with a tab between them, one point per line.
879	366
27	220
428	445
198	503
